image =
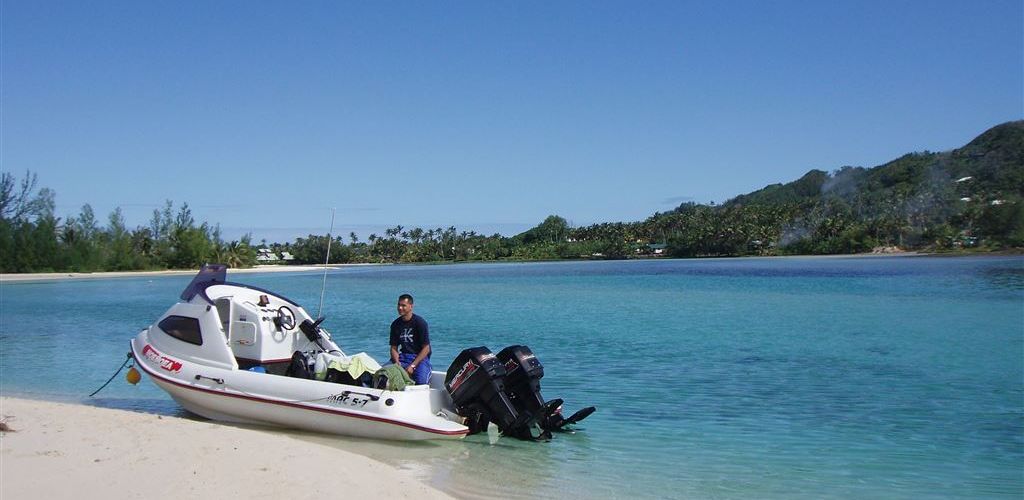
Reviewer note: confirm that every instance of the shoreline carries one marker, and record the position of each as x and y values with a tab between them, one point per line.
14	278
69	276
62	450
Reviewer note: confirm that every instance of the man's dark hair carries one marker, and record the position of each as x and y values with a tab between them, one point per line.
406	296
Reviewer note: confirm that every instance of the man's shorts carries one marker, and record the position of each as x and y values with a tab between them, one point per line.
421	375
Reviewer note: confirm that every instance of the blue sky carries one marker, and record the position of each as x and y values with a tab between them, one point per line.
483	115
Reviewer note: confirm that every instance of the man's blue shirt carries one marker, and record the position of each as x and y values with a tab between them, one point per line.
410	336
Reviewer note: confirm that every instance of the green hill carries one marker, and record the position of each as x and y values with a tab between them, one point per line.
994	160
968	196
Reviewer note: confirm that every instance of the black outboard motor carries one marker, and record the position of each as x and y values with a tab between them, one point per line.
523	372
522	383
476	382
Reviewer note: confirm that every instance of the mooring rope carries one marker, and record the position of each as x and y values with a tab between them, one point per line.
130	358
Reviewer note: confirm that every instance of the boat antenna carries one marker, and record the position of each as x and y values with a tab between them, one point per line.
326	260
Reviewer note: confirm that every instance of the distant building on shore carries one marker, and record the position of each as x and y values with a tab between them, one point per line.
267	256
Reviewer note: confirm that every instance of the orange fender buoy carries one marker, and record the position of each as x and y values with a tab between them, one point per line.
133	376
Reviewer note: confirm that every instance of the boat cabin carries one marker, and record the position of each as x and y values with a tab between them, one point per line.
231	325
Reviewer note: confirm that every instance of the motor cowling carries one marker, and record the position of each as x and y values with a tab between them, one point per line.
476	383
523	372
505	389
522	384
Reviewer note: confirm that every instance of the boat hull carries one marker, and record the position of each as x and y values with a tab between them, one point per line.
257	398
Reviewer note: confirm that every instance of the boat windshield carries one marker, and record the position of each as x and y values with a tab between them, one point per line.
209	274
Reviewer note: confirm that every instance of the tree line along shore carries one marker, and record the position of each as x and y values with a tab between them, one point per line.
967	199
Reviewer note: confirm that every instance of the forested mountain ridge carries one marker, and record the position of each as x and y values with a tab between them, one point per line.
995	160
970	197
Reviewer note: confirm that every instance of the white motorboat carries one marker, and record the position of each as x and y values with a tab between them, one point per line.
224	352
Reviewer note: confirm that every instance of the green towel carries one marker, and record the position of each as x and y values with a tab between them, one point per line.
396	376
355	365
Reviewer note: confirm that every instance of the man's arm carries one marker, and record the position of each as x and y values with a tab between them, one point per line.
419	357
394	354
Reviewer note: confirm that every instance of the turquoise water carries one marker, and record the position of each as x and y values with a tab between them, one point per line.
894	377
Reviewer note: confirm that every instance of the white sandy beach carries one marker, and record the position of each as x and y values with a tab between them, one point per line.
272	268
36	277
57	450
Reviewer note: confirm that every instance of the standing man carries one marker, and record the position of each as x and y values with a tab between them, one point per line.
410	342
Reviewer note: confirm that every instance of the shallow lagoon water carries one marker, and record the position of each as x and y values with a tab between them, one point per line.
896	377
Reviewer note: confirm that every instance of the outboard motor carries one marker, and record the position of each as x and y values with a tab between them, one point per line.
476	382
522	384
523	372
